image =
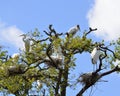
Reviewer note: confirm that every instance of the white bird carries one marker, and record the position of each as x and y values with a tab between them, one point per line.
72	31
27	42
57	57
95	54
16	55
38	83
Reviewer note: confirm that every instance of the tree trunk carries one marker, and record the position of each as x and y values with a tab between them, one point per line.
58	83
64	82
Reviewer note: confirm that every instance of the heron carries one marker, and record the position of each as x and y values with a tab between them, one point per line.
72	31
95	54
27	42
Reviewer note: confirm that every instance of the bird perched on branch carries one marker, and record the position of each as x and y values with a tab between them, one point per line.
72	31
95	54
27	42
15	55
57	57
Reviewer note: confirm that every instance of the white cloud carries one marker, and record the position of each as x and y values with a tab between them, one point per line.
10	35
105	15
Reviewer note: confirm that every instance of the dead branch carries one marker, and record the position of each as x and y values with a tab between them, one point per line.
90	30
38	41
106	48
117	68
52	32
101	59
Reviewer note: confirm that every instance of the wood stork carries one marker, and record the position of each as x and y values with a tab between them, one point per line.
27	42
56	56
95	54
72	31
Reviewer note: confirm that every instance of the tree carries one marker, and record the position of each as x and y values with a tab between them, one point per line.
49	61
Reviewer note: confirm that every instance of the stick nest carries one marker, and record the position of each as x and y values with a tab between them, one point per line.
88	78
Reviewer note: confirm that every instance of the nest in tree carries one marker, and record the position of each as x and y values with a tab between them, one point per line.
57	61
88	78
16	69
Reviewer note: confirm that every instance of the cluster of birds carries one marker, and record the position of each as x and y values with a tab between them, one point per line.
71	32
58	58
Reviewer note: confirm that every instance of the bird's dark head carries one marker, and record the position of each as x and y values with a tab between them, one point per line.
78	27
67	34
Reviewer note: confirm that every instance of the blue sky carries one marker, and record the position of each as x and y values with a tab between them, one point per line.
22	16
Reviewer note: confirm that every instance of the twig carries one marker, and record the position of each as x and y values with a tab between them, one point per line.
101	59
110	71
52	30
90	30
108	50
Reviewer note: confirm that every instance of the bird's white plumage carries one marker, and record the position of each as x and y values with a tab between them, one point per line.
15	55
72	31
27	42
38	83
27	45
57	57
95	55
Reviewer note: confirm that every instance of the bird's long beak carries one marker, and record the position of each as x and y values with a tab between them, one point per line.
22	35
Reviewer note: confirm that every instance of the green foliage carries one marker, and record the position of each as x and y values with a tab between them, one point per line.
53	76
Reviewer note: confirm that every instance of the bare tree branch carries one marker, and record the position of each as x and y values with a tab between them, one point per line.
90	30
117	68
